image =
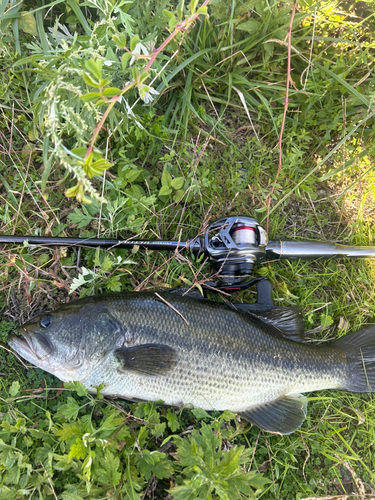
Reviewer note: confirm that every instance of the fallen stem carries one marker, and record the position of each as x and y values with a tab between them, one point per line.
288	73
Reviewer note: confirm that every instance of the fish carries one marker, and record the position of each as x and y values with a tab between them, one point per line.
188	351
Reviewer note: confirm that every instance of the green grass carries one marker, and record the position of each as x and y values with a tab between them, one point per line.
196	157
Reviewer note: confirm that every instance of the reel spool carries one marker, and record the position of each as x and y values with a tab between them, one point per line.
244	235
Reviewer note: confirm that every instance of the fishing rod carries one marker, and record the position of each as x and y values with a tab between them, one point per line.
233	245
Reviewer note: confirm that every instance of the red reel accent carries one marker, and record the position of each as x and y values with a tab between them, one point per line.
244	235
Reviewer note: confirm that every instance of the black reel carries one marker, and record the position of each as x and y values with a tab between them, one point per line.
234	245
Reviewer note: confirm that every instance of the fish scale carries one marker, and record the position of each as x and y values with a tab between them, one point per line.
206	354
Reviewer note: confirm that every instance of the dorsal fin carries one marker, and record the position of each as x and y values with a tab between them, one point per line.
186	291
287	320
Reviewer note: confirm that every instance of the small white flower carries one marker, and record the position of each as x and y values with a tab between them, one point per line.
146	93
138	49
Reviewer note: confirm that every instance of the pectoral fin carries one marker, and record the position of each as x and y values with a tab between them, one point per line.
283	416
147	359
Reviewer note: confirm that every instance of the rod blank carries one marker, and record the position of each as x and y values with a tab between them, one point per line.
94	242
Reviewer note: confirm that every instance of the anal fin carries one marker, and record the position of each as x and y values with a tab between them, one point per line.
282	416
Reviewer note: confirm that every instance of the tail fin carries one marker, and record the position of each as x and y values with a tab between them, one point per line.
359	348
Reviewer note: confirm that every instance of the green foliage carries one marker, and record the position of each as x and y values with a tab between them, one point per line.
69	61
108	273
212	472
91	55
100	451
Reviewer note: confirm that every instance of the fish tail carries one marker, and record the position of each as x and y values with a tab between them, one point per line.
359	348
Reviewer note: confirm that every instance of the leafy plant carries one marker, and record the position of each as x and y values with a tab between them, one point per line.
70	118
101	451
212	472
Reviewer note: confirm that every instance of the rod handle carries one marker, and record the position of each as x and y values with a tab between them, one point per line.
310	250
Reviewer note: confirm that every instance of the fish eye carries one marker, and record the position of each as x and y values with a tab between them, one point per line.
46	321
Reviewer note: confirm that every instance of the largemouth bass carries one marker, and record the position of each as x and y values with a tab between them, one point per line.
189	351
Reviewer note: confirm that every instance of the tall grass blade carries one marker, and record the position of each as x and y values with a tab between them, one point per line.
11	14
344	166
81	18
3	6
361	177
43	7
351	89
247	112
39	16
183	65
16	34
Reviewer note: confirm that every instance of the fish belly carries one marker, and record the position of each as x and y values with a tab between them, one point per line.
213	383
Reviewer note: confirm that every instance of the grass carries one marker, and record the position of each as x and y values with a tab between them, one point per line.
208	147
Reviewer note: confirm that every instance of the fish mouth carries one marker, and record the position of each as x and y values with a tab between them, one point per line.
23	346
38	350
29	348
